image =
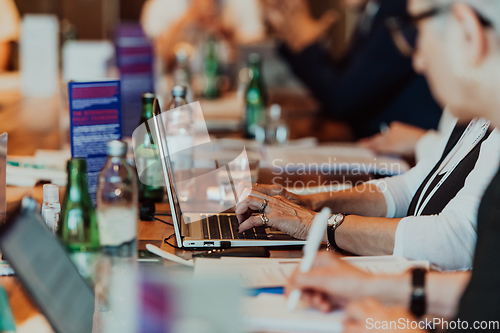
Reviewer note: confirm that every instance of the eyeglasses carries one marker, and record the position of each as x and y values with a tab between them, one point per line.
404	31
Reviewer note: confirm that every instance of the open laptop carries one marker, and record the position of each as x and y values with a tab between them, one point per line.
198	230
46	271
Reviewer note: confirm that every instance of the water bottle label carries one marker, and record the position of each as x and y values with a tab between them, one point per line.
117	225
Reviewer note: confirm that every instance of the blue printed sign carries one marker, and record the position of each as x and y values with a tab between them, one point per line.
95	119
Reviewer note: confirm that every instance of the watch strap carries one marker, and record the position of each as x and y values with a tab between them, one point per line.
418	299
330	233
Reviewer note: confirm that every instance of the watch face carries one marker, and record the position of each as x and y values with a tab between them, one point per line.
331	221
337	218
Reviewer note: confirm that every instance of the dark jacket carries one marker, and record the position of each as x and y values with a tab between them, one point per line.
374	83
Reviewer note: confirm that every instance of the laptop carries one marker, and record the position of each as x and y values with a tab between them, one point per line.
46	271
202	230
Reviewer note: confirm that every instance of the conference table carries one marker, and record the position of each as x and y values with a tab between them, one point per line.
152	231
36	123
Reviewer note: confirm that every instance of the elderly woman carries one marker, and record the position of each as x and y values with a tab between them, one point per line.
458	50
429	213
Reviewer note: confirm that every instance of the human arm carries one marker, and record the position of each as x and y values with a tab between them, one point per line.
365	199
4	55
333	282
360	235
448	239
9	30
292	22
399	139
370	315
374	72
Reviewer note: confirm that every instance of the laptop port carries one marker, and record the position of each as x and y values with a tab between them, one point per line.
208	243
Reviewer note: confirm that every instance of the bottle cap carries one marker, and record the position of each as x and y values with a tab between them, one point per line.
179	91
275	112
50	193
148	97
116	148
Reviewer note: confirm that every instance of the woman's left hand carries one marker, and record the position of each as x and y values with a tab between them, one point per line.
284	215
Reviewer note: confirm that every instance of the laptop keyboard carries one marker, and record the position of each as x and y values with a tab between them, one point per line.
226	227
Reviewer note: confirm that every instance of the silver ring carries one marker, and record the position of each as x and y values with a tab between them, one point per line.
264	219
263	207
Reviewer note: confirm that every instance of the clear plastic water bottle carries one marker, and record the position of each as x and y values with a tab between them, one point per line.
180	141
277	130
182	73
117	204
51	207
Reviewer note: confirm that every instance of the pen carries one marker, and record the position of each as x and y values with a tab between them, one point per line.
310	249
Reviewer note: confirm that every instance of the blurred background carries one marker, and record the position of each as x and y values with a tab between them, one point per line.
87	36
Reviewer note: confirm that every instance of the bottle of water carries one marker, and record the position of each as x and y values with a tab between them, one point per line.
117	216
51	207
277	130
117	203
182	73
180	140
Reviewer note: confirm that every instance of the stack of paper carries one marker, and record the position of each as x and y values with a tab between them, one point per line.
333	158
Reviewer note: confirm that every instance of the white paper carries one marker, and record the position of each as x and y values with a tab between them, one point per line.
337	157
267	312
274	272
251	272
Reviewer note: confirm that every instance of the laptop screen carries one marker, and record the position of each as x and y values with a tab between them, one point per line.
46	271
157	126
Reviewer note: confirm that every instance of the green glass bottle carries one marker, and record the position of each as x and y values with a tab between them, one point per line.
255	97
78	225
211	77
146	155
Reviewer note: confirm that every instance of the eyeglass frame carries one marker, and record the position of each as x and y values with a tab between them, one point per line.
395	26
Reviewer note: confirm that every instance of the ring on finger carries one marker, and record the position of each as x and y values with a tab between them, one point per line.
263	206
264	219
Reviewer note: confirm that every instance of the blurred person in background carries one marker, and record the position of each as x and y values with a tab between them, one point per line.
410	141
373	84
9	30
458	49
184	23
428	213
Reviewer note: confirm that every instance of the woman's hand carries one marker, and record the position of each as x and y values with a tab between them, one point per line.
277	190
369	315
400	139
281	212
331	283
292	22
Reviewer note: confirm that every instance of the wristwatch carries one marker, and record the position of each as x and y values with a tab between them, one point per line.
332	224
418	300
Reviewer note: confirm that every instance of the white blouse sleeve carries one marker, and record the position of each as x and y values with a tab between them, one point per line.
448	239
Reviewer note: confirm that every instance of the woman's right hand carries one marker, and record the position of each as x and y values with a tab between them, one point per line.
331	283
278	190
